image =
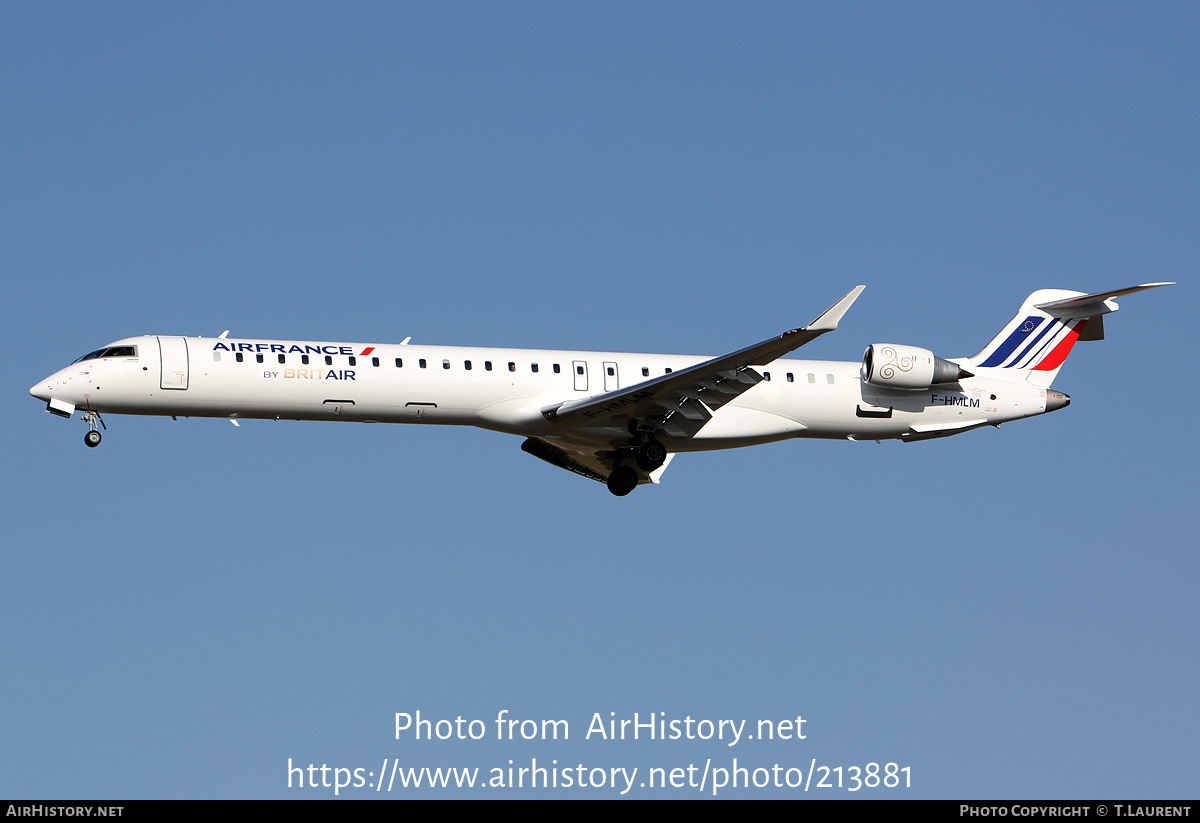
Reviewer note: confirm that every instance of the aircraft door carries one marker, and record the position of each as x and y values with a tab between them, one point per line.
173	362
611	378
580	369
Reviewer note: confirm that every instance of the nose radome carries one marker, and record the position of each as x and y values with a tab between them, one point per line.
41	391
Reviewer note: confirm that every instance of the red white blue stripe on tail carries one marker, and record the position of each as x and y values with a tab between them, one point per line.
1038	343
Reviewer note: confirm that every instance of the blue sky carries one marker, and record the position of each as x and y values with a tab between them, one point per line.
1008	613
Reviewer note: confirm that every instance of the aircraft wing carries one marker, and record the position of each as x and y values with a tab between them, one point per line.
680	403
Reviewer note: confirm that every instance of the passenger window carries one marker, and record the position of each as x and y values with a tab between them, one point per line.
445	364
353	362
512	366
611	371
467	365
304	359
666	371
812	378
328	360
282	358
767	376
258	357
374	361
217	356
238	357
487	365
557	369
791	378
645	372
579	369
829	379
533	367
421	362
399	362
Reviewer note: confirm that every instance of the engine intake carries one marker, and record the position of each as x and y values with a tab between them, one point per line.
908	367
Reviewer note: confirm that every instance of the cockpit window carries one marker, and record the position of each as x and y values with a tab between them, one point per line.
111	351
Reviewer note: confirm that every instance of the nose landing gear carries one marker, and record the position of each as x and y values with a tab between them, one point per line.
92	438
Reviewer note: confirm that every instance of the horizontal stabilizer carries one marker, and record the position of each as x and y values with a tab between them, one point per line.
1090	305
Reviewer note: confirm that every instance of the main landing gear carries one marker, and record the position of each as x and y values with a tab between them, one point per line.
622	480
648	455
92	438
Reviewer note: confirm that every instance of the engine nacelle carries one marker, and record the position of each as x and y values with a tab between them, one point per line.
907	367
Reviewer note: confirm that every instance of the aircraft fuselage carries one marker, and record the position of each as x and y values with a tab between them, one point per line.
506	390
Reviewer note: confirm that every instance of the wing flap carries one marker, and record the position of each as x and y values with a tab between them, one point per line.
556	456
594	462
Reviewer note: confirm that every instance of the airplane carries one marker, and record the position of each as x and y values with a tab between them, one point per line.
614	417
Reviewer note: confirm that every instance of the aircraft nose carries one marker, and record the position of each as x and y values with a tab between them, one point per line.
41	390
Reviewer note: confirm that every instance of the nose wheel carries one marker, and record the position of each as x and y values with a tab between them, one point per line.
92	438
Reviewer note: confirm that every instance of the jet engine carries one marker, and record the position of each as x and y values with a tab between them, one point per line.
907	367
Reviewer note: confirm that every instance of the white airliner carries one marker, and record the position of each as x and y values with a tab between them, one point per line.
614	417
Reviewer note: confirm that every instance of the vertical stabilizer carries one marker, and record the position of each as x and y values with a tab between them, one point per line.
1038	339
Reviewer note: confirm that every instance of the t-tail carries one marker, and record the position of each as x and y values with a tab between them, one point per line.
1038	339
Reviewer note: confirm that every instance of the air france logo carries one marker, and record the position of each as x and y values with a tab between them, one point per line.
295	348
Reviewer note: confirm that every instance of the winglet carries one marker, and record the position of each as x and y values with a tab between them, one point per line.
829	320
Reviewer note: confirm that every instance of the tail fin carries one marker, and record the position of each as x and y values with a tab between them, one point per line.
1038	339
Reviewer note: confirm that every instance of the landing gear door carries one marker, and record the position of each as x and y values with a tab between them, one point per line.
580	369
173	360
